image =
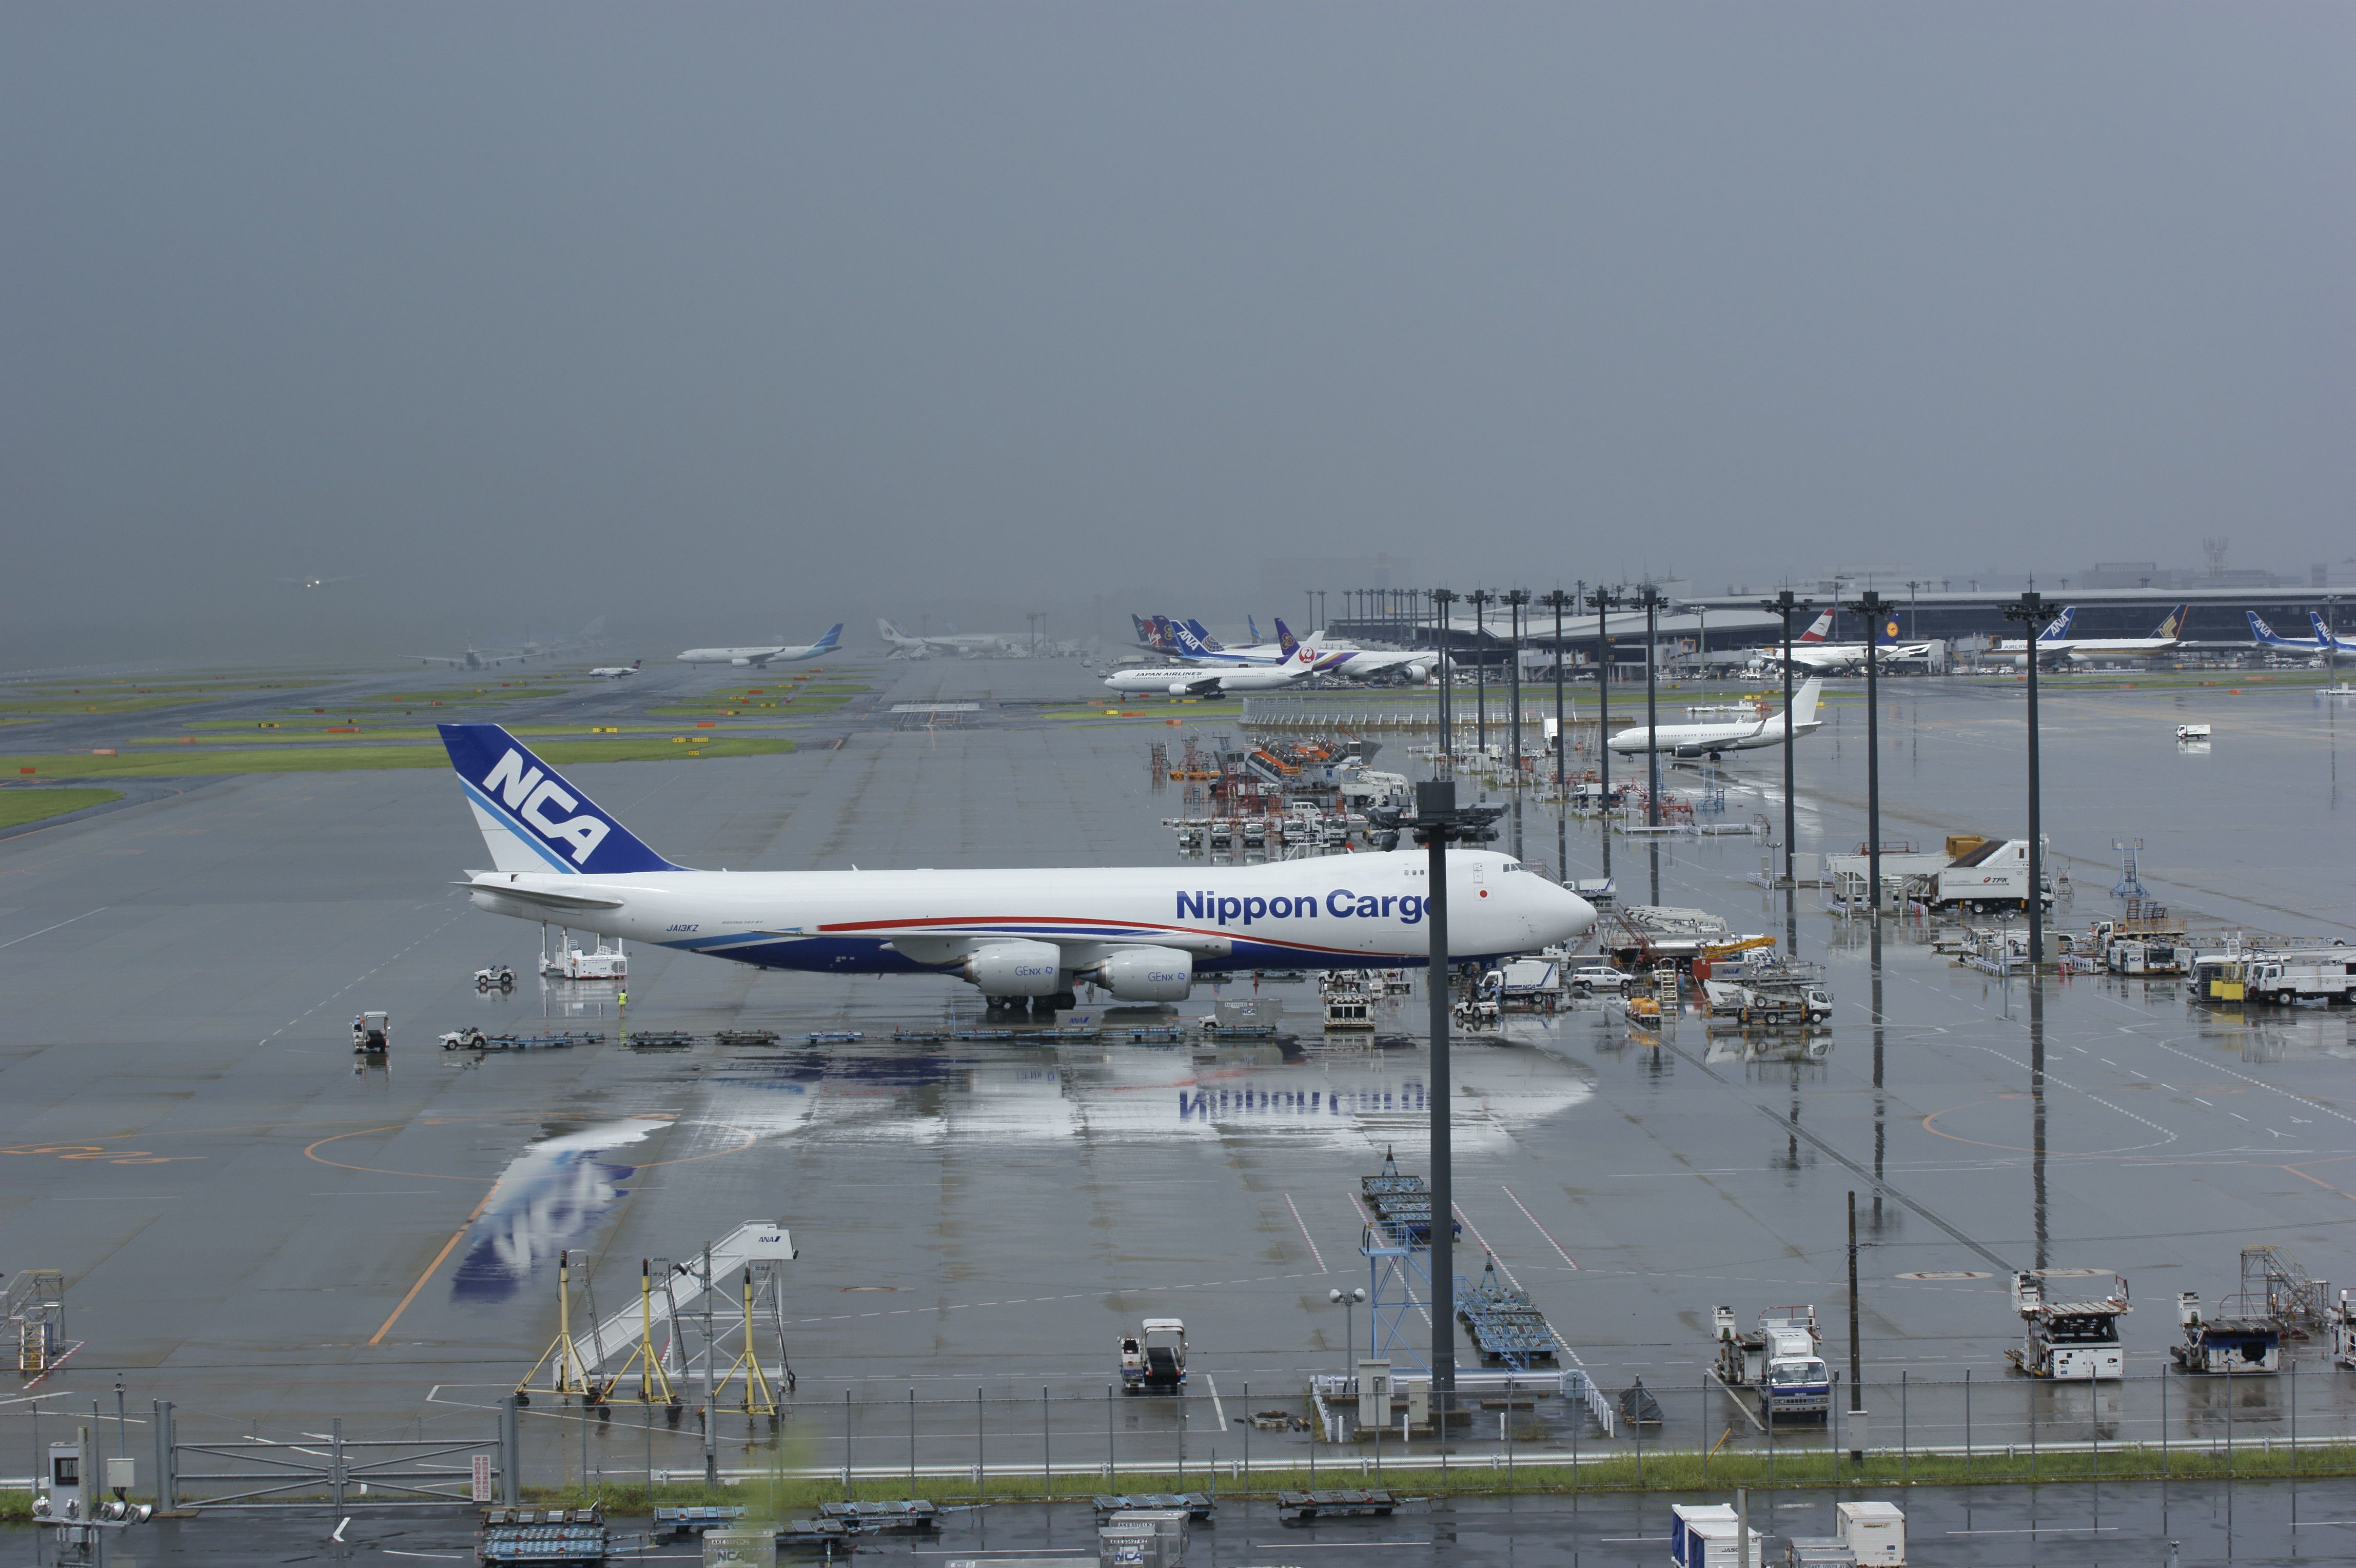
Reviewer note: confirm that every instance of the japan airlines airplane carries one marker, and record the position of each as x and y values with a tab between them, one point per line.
1211	680
1741	735
759	657
1140	932
2055	643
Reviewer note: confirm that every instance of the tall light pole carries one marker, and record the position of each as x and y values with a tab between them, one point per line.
1515	599
1872	606
1602	601
1786	605
1437	822
1480	599
1649	598
1558	601
1441	599
2029	612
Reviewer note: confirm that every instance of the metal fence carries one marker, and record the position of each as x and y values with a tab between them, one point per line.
996	1440
1004	1442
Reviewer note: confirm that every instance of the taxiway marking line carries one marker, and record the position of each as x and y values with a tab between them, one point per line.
1216	1408
1542	1230
447	1247
1307	1237
44	931
1502	1266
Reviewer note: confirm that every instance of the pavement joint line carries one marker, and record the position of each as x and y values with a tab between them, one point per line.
44	931
1305	1236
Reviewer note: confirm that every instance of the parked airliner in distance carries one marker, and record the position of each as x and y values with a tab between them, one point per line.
1739	735
616	672
2055	644
758	657
1210	680
1811	652
971	644
1142	933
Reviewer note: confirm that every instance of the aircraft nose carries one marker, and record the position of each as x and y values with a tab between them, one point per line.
1563	916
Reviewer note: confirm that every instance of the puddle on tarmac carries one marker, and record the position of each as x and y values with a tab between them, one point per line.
551	1198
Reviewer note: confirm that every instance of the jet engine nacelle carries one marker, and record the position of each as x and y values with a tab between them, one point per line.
1016	969
1418	673
1147	974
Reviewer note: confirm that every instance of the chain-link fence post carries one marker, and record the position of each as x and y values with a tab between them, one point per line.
846	1442
1046	1448
1112	1470
980	1449
1905	1429
911	1443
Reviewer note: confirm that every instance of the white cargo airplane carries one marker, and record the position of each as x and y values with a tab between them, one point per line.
1739	735
1211	680
766	656
1140	932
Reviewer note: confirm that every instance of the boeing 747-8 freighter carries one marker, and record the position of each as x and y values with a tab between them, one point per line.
1140	932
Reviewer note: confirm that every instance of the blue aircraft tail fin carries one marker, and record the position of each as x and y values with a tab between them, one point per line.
833	636
531	818
2059	627
1286	642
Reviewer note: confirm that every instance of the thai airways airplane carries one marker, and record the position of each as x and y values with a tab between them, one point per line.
786	654
1140	932
1739	735
1361	664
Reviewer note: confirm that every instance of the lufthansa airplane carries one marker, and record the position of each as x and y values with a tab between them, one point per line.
1141	932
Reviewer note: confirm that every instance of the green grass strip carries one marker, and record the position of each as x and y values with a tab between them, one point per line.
18	806
169	761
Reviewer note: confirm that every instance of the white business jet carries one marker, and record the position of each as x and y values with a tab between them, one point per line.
1739	735
1140	932
758	656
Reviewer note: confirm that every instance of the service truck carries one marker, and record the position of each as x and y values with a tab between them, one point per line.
1993	876
2302	974
1781	1359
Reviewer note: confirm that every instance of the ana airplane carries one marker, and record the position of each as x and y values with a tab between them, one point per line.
976	644
762	657
1739	735
1211	680
1197	647
1143	933
2055	644
2261	632
615	671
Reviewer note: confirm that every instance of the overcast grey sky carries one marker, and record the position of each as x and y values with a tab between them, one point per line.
733	319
